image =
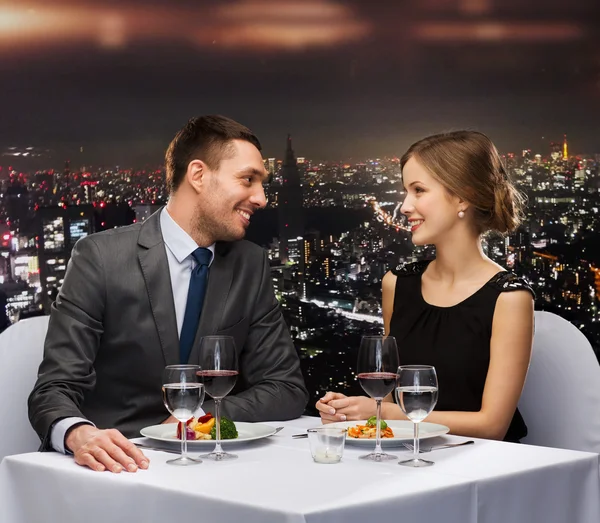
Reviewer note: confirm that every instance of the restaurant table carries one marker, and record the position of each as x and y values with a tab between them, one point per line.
276	480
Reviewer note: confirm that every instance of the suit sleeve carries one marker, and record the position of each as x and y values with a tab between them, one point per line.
269	365
66	373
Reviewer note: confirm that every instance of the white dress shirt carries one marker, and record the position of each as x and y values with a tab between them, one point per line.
179	247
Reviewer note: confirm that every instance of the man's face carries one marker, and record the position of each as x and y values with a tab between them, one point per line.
231	194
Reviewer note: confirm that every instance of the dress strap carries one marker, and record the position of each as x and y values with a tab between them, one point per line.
411	269
506	281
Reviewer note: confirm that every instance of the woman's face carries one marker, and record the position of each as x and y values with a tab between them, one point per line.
430	209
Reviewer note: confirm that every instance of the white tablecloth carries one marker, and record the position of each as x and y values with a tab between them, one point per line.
275	480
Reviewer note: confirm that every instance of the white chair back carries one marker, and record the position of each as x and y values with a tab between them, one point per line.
561	398
21	352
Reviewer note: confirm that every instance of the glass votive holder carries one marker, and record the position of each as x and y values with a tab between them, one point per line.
327	443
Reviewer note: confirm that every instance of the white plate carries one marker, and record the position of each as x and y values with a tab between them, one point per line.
403	432
246	432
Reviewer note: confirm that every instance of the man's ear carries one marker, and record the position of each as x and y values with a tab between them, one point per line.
195	174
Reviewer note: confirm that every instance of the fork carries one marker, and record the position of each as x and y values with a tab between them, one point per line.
158	449
439	447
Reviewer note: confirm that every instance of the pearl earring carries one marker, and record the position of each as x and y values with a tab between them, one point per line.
461	214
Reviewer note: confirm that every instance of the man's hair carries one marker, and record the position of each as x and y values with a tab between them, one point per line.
206	138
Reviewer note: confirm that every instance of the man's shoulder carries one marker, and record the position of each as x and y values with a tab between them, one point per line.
244	248
119	235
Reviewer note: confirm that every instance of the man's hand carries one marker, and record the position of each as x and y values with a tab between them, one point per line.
338	407
104	450
170	419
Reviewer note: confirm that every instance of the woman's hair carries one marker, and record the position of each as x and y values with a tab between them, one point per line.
468	165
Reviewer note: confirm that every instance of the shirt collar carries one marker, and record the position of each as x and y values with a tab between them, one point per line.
179	242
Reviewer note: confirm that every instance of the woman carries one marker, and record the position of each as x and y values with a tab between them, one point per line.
461	312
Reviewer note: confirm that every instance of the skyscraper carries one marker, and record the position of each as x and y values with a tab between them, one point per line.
59	228
289	204
16	200
271	166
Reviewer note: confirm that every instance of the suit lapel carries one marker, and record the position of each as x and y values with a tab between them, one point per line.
155	268
219	283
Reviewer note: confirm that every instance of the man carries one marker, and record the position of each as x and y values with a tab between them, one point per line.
124	305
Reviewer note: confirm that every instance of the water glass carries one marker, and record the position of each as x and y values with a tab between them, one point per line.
183	394
417	393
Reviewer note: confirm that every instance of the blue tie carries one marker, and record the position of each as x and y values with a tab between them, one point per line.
193	307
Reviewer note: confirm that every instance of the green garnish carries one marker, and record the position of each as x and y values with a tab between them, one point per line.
228	430
372	422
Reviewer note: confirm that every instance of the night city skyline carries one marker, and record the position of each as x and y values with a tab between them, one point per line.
348	80
326	269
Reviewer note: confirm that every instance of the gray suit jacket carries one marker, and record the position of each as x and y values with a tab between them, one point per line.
113	330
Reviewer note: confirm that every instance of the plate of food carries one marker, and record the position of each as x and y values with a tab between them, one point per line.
201	432
393	432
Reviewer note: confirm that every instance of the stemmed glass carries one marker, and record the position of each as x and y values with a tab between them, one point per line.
183	394
219	372
417	392
377	365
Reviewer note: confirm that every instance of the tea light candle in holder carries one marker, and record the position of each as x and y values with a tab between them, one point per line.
327	443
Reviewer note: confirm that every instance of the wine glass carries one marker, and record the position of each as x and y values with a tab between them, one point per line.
377	365
183	394
417	392
219	372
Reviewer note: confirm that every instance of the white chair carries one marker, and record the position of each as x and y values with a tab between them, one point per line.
561	398
21	352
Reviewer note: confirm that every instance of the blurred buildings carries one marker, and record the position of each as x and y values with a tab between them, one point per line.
343	233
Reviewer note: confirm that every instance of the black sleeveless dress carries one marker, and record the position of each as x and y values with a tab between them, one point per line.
455	340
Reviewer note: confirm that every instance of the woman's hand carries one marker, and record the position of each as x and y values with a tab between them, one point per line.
339	407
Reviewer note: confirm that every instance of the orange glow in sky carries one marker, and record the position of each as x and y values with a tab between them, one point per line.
244	24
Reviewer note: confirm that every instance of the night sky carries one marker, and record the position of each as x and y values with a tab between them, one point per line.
348	79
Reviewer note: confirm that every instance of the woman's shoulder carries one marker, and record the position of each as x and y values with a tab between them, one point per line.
411	269
507	281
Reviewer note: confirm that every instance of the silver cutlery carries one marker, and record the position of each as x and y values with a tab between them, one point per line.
439	447
298	436
278	429
148	447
